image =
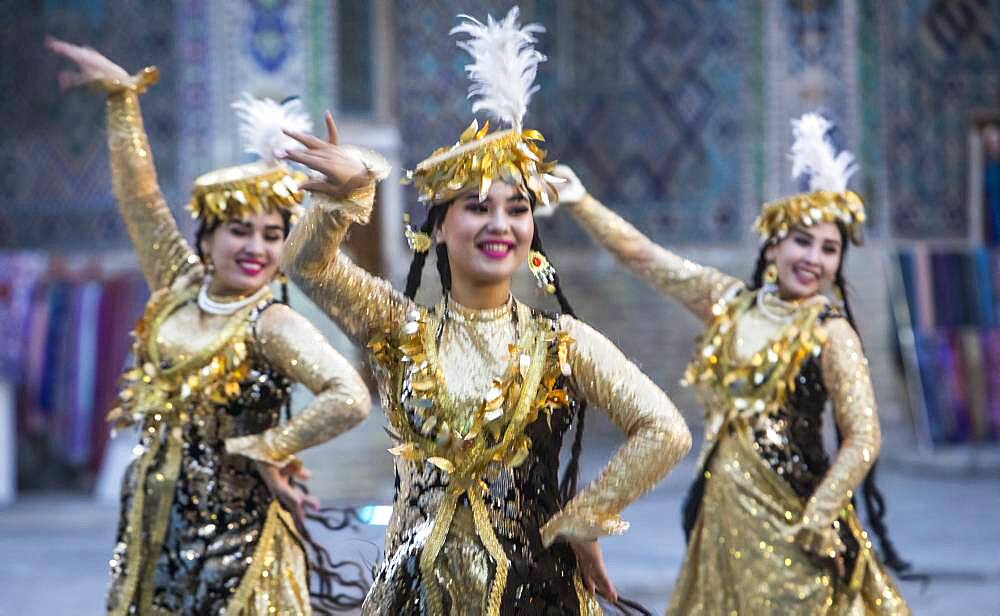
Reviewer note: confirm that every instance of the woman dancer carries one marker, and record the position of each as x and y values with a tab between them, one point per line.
480	389
203	530
770	521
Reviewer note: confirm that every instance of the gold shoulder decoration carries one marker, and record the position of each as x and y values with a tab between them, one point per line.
431	428
762	383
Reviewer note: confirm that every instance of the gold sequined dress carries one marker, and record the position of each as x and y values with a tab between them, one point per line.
477	403
772	529
200	533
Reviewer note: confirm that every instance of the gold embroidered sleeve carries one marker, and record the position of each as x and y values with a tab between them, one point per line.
656	436
846	377
162	252
294	347
697	287
363	305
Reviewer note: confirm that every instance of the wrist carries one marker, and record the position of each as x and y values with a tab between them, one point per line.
819	540
138	83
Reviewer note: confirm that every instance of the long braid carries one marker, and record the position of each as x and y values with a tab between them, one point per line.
571	476
443	267
873	498
416	272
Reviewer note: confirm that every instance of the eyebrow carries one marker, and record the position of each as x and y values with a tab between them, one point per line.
813	237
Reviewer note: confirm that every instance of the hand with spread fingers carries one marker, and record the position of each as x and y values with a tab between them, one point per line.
294	499
343	167
571	190
91	66
592	571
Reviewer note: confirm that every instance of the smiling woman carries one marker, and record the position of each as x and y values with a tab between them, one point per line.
243	253
770	518
211	521
481	388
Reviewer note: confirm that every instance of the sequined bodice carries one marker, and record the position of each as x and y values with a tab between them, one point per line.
473	348
473	354
477	423
788	436
187	331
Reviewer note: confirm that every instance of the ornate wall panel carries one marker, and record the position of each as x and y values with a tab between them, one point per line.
653	103
941	60
53	157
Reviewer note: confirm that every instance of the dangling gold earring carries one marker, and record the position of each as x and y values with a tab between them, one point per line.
542	270
771	273
418	241
280	277
209	266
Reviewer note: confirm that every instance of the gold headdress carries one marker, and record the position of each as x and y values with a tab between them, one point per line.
503	74
829	200
235	192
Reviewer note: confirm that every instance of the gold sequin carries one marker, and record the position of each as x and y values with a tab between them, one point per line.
697	287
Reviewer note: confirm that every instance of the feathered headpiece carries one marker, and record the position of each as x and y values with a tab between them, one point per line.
828	199
235	192
503	69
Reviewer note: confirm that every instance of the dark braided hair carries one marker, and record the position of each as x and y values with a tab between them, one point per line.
571	476
434	219
873	498
436	216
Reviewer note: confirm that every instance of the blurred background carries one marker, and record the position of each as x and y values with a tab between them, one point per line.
673	112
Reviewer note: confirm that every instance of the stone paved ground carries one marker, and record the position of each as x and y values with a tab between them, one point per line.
946	520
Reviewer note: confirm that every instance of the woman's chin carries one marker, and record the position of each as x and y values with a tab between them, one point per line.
243	284
796	292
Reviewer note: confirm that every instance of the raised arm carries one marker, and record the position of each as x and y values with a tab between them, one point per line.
696	286
363	305
846	377
656	436
162	251
294	347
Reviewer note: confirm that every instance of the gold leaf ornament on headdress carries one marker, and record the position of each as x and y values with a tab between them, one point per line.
828	199
236	192
268	184
502	76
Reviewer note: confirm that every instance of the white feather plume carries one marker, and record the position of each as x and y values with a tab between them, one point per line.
504	65
261	121
813	155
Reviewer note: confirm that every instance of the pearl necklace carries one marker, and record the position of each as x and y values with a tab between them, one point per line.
767	312
209	305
